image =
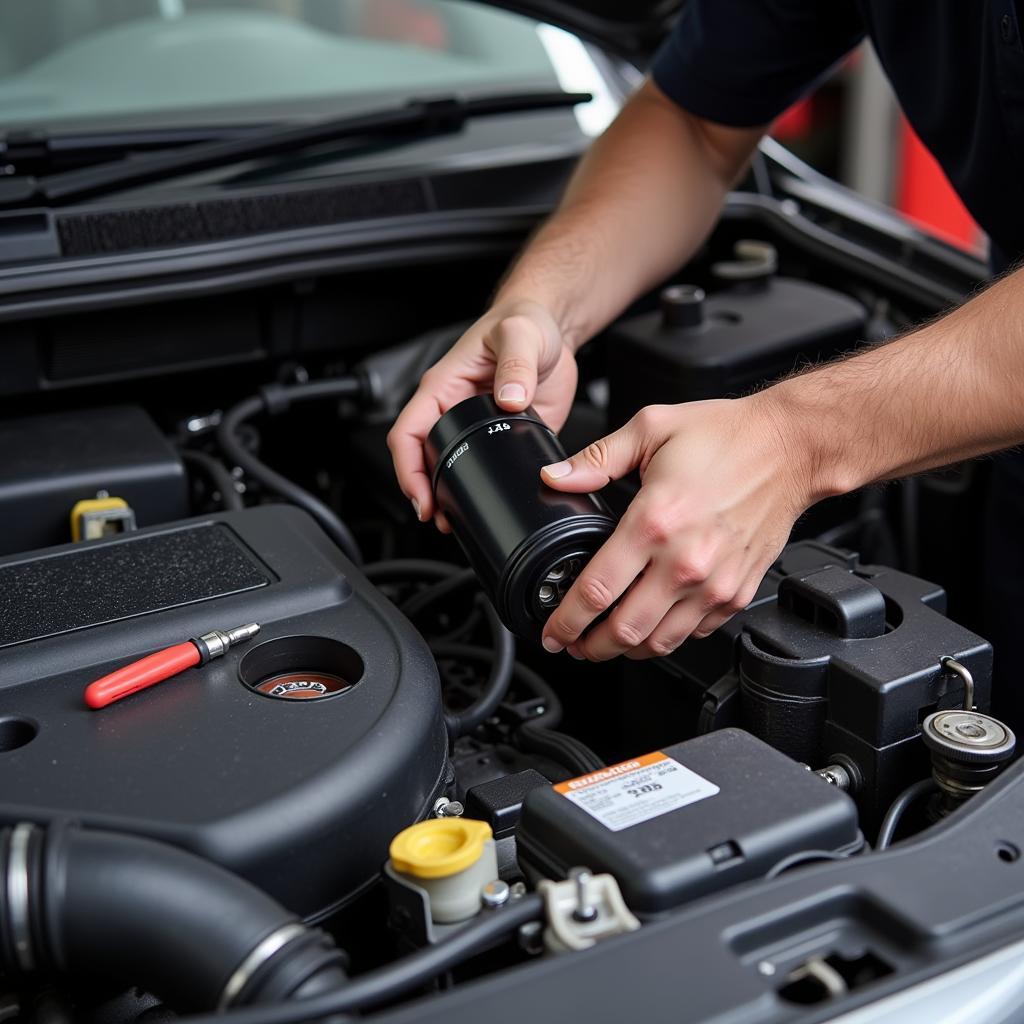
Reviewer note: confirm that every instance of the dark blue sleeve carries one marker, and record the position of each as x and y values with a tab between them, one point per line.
743	62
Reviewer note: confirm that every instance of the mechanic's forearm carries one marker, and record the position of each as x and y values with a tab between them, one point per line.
640	203
947	392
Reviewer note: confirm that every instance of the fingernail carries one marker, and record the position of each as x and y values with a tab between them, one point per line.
416	508
575	653
558	469
512	393
551	645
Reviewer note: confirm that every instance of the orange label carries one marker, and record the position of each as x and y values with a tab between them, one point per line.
611	772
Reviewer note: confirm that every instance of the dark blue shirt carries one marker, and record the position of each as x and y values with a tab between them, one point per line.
957	67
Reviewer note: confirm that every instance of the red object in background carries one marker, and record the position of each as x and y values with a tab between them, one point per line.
923	193
796	122
405	21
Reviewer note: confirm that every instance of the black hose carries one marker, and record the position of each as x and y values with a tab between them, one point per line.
380	986
217	474
397	570
802	857
539	687
559	747
426	597
898	808
275	400
502	659
540	736
534	736
117	908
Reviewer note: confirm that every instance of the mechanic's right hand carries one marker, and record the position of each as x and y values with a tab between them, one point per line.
517	349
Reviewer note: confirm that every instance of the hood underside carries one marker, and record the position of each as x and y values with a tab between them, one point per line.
630	28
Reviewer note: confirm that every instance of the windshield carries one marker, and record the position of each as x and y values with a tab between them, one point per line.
79	63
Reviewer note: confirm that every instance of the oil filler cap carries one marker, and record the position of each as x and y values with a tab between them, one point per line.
968	737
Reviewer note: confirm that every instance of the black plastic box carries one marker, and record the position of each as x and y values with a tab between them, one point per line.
833	659
748	335
48	463
741	810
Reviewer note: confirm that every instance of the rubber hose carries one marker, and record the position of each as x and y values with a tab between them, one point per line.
540	736
559	747
425	598
897	809
218	475
502	659
276	400
107	906
399	569
479	935
539	687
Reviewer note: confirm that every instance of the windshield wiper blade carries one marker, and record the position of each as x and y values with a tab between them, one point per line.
423	118
34	152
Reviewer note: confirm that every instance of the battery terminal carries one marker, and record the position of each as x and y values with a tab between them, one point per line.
583	910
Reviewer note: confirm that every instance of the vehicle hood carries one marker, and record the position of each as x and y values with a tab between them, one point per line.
631	28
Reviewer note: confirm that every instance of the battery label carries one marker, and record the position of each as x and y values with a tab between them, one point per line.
637	790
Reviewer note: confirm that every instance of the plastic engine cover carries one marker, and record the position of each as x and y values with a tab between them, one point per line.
292	760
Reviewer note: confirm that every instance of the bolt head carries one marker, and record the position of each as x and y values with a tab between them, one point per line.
495	894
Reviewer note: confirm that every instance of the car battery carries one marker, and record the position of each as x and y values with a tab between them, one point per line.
686	821
727	343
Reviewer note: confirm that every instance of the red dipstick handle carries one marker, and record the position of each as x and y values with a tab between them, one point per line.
155	668
148	671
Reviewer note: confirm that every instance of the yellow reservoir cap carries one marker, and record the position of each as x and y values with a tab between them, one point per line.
92	518
440	847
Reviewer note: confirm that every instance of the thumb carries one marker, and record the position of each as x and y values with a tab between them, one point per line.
516	342
600	462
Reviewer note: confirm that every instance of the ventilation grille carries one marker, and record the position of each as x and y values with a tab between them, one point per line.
136	576
115	231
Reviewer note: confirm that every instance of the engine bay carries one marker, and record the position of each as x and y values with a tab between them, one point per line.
387	791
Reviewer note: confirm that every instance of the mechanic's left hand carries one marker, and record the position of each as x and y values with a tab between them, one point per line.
719	496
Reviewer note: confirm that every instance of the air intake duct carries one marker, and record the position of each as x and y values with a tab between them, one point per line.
94	905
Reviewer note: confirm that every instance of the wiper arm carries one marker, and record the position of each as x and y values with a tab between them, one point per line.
34	152
416	118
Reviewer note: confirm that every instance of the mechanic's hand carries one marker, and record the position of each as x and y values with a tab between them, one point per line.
515	348
717	502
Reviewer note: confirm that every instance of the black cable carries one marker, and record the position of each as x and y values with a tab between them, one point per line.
539	687
426	597
217	474
274	400
401	569
397	978
802	857
502	659
534	736
898	808
560	747
540	736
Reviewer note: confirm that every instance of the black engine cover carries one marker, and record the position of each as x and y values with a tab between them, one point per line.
301	796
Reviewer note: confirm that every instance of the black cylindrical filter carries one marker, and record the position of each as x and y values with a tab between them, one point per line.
526	541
